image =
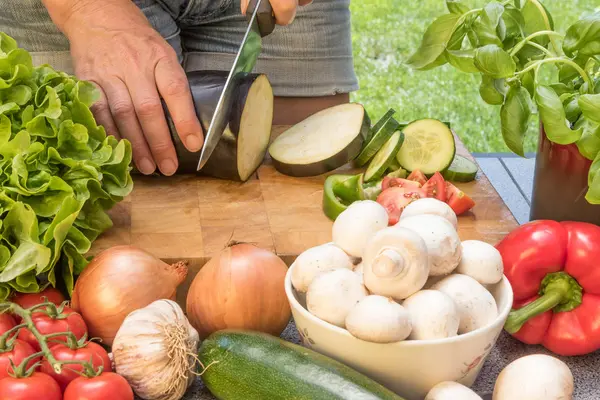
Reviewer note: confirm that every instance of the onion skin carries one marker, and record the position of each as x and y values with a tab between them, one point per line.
118	281
242	287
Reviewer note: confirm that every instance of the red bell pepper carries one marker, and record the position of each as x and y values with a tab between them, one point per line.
554	270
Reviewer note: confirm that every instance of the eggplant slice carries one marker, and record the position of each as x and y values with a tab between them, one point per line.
245	140
322	142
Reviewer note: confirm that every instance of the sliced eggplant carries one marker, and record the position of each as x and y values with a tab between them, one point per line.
245	139
322	142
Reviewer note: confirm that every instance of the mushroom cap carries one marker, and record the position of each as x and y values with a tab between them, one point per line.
450	390
442	240
433	314
378	319
316	260
481	261
430	205
356	224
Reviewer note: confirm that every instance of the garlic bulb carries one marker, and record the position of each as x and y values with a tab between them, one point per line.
155	350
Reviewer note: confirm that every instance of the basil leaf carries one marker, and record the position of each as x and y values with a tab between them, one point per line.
494	61
487	26
583	37
593	193
456	7
514	22
566	72
553	116
589	144
590	106
462	60
514	118
434	41
488	90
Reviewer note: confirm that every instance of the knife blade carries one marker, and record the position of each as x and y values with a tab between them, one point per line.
261	22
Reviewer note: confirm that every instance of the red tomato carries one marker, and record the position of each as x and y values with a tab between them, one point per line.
436	187
90	351
27	300
389	182
394	200
6	322
107	385
37	386
17	352
68	321
457	199
417	176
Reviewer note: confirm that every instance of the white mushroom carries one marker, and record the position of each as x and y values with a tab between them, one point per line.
395	263
476	305
443	243
331	295
433	315
358	269
429	205
378	319
316	260
481	261
450	390
356	224
535	377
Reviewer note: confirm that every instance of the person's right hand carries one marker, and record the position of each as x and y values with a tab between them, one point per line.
114	46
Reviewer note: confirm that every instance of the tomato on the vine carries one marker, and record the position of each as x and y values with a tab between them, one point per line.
88	351
37	386
16	350
107	385
7	322
27	300
66	321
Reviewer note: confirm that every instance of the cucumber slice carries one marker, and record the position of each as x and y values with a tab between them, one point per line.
393	165
428	146
381	132
461	170
384	157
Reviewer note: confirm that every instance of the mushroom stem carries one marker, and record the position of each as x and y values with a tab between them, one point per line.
389	263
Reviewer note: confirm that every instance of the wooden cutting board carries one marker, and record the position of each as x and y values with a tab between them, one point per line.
192	218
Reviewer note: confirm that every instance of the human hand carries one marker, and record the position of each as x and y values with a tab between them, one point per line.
114	46
284	10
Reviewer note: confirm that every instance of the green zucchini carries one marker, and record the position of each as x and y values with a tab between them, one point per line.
461	170
428	146
381	132
245	365
384	157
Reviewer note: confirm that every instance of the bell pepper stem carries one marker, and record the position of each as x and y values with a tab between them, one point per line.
559	292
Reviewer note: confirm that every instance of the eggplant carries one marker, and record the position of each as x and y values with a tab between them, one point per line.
322	142
245	139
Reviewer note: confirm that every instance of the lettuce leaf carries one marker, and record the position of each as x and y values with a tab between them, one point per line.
59	174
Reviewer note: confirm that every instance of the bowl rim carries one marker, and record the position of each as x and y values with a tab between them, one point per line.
500	319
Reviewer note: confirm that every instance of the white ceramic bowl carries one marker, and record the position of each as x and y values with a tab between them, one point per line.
412	367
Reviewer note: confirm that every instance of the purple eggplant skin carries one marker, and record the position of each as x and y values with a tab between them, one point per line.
206	88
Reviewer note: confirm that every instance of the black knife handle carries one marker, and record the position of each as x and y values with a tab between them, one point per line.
264	16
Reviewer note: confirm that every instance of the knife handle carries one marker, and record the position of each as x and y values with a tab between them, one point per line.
264	16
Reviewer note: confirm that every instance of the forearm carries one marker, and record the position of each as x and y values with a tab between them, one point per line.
63	12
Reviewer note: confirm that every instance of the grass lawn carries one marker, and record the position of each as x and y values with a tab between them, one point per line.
386	32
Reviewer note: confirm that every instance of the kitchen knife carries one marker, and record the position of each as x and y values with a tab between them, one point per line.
261	23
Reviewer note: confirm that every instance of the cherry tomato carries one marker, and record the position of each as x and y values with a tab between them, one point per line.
68	321
389	182
436	187
27	300
457	199
394	200
37	386
17	352
7	322
90	351
417	176
107	385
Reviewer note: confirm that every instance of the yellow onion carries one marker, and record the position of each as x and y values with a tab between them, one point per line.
118	281
242	287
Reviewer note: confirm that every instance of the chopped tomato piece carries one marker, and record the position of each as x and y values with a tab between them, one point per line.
458	200
417	176
436	187
394	199
389	182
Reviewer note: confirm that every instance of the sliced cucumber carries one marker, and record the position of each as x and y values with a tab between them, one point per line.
393	165
384	157
461	170
381	132
428	146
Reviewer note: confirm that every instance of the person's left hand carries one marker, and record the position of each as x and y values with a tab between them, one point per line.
284	10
